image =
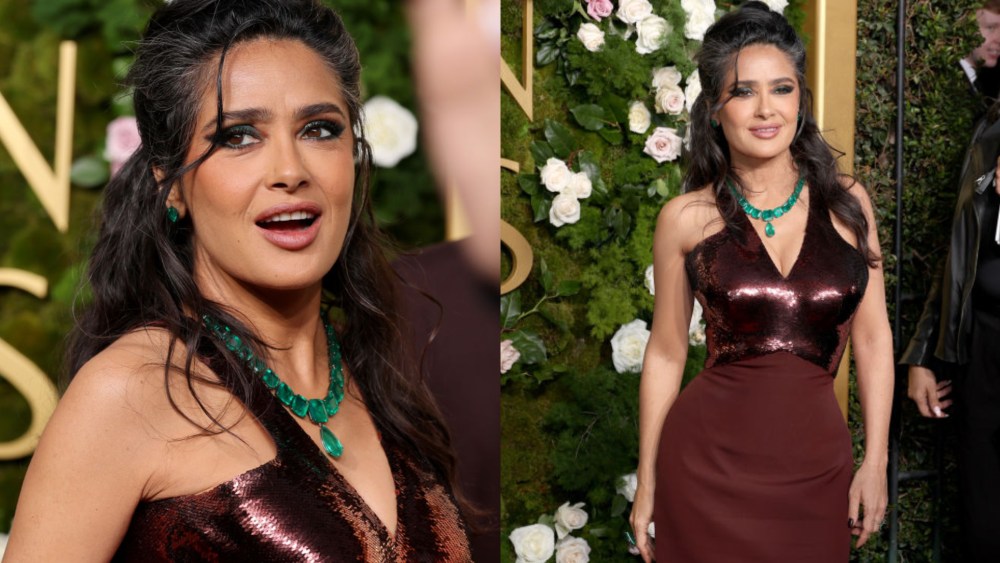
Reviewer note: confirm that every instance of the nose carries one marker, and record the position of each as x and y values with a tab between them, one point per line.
288	170
764	108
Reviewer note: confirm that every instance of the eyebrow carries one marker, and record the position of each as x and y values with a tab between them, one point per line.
781	80
254	115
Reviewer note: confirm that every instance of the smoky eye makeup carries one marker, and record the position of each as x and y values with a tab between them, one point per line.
322	129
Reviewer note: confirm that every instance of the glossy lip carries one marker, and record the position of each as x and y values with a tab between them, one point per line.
292	239
767	131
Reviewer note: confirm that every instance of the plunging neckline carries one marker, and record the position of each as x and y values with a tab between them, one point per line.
767	253
320	459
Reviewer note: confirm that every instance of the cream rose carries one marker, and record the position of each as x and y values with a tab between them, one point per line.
565	209
670	99
692	90
628	346
651	33
649	280
534	543
508	355
391	131
639	117
591	36
666	76
634	11
626	486
572	550
696	329
555	175
663	145
579	186
776	5
569	518
700	16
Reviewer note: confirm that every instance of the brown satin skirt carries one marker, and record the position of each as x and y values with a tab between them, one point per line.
754	466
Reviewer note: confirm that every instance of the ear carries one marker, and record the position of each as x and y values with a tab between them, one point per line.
175	198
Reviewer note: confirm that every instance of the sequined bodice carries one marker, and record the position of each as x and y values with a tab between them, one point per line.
751	310
297	507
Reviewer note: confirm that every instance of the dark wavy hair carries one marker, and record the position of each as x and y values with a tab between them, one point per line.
140	273
710	166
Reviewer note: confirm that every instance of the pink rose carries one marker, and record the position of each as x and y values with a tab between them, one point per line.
508	355
123	140
599	9
663	144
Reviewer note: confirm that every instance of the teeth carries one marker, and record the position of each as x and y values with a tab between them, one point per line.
294	216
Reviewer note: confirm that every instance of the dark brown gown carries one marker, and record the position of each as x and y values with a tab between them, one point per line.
298	507
754	460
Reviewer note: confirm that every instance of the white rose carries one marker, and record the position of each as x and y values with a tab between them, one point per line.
666	76
670	100
391	131
572	550
696	330
579	186
3	544
692	90
776	5
651	33
626	486
663	144
628	346
569	518
649	280
591	36
687	138
638	117
555	175
651	530
634	11
534	543
565	209
508	355
700	16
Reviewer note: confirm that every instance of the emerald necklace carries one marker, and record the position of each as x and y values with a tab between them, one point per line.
767	215
319	411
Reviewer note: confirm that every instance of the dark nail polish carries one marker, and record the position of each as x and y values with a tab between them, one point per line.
850	522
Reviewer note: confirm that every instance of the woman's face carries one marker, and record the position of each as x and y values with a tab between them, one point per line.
271	206
760	119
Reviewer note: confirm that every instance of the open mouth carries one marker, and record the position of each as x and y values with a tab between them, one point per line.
294	221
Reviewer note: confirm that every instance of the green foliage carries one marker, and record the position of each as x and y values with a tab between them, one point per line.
939	116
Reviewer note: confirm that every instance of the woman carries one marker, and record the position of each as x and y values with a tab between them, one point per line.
752	462
213	412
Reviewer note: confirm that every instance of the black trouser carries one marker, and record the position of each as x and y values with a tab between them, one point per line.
978	399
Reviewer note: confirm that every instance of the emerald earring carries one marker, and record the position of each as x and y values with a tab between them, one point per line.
172	214
714	123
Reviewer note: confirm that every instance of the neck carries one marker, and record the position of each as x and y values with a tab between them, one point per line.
287	321
767	180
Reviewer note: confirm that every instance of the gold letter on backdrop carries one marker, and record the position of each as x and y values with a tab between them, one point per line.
25	375
520	250
522	93
51	187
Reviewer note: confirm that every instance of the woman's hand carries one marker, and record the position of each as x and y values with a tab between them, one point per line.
868	490
928	393
642	513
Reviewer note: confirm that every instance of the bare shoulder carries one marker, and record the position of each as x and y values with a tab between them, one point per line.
858	190
688	218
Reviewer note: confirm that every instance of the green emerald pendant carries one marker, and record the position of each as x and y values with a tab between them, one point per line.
769	230
330	442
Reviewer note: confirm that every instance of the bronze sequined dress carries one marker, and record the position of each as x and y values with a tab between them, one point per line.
754	461
297	507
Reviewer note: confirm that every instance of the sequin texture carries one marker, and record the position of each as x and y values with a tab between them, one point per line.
751	310
297	507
